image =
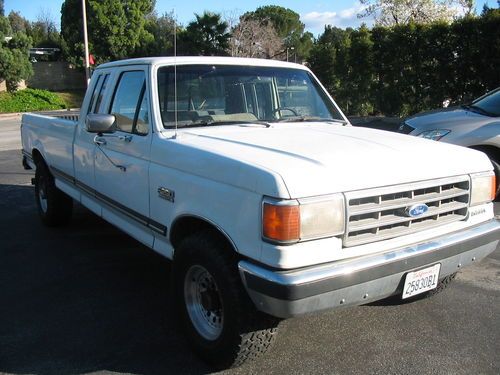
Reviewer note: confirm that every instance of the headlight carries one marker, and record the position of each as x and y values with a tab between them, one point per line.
483	188
290	221
435	134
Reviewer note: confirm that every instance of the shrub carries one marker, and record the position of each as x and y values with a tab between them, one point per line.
405	69
30	100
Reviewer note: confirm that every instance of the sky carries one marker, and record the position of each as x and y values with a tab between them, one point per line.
314	14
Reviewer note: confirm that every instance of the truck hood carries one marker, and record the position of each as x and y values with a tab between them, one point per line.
319	158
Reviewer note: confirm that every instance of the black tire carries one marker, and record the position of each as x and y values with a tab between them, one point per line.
442	285
241	332
54	206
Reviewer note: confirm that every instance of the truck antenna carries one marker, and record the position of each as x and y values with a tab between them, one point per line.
175	74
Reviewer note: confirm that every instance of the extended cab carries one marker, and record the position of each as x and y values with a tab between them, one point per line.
248	176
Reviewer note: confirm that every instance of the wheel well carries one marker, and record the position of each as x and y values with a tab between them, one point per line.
188	225
37	156
492	151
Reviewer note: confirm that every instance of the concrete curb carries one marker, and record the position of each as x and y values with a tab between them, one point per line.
6	116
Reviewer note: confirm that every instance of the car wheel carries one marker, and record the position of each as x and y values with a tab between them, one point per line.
221	323
54	206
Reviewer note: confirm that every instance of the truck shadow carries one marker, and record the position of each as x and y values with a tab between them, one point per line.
82	298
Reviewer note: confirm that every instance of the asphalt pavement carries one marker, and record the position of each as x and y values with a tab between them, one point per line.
87	298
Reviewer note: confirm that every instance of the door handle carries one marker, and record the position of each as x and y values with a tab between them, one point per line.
100	141
125	138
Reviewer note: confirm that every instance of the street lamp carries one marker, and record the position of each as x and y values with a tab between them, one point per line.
86	43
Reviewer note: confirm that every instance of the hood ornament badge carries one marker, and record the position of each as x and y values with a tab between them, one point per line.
416	210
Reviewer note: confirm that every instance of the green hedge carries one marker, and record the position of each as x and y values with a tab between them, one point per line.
406	69
30	100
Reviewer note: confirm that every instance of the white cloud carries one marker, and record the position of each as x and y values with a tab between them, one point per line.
316	21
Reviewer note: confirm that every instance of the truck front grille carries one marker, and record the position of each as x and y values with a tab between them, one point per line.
381	213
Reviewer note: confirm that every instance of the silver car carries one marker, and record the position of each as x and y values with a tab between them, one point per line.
476	125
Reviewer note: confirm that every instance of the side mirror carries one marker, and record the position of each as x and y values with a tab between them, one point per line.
100	123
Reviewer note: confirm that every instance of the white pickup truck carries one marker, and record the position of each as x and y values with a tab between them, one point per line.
247	175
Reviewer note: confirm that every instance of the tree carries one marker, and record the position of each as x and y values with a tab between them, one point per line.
5	28
44	31
329	59
401	12
360	75
208	36
14	62
2	9
255	38
117	28
288	27
231	17
18	23
162	30
286	22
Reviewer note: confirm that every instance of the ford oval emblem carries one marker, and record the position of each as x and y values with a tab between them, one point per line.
417	210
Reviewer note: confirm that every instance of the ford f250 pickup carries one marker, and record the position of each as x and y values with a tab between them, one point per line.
247	175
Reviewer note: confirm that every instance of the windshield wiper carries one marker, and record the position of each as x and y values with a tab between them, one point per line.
310	119
477	109
231	122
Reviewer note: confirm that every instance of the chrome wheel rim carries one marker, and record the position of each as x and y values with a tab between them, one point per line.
42	195
203	302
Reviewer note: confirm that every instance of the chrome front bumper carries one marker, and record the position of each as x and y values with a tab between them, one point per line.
361	280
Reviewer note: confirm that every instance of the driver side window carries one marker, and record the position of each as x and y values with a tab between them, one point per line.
130	105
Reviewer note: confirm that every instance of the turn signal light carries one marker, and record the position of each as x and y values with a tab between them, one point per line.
483	188
493	188
281	222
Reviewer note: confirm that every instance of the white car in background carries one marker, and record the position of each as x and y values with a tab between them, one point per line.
476	125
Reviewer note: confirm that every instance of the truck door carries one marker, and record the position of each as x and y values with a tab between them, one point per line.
84	147
122	158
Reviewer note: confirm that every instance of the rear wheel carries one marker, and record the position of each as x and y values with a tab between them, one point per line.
54	206
221	323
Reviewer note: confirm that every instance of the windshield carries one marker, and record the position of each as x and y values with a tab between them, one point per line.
488	104
216	94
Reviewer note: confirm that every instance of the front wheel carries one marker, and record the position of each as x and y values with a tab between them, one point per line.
221	323
441	286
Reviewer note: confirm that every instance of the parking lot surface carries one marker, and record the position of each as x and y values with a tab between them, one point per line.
89	299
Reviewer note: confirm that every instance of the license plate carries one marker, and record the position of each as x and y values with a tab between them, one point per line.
421	281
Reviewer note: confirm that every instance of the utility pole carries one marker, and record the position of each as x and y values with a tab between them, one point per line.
86	43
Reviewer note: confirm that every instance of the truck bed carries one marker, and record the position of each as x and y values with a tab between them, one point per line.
71	115
51	133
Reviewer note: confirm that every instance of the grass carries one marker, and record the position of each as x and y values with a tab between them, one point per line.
28	100
73	99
